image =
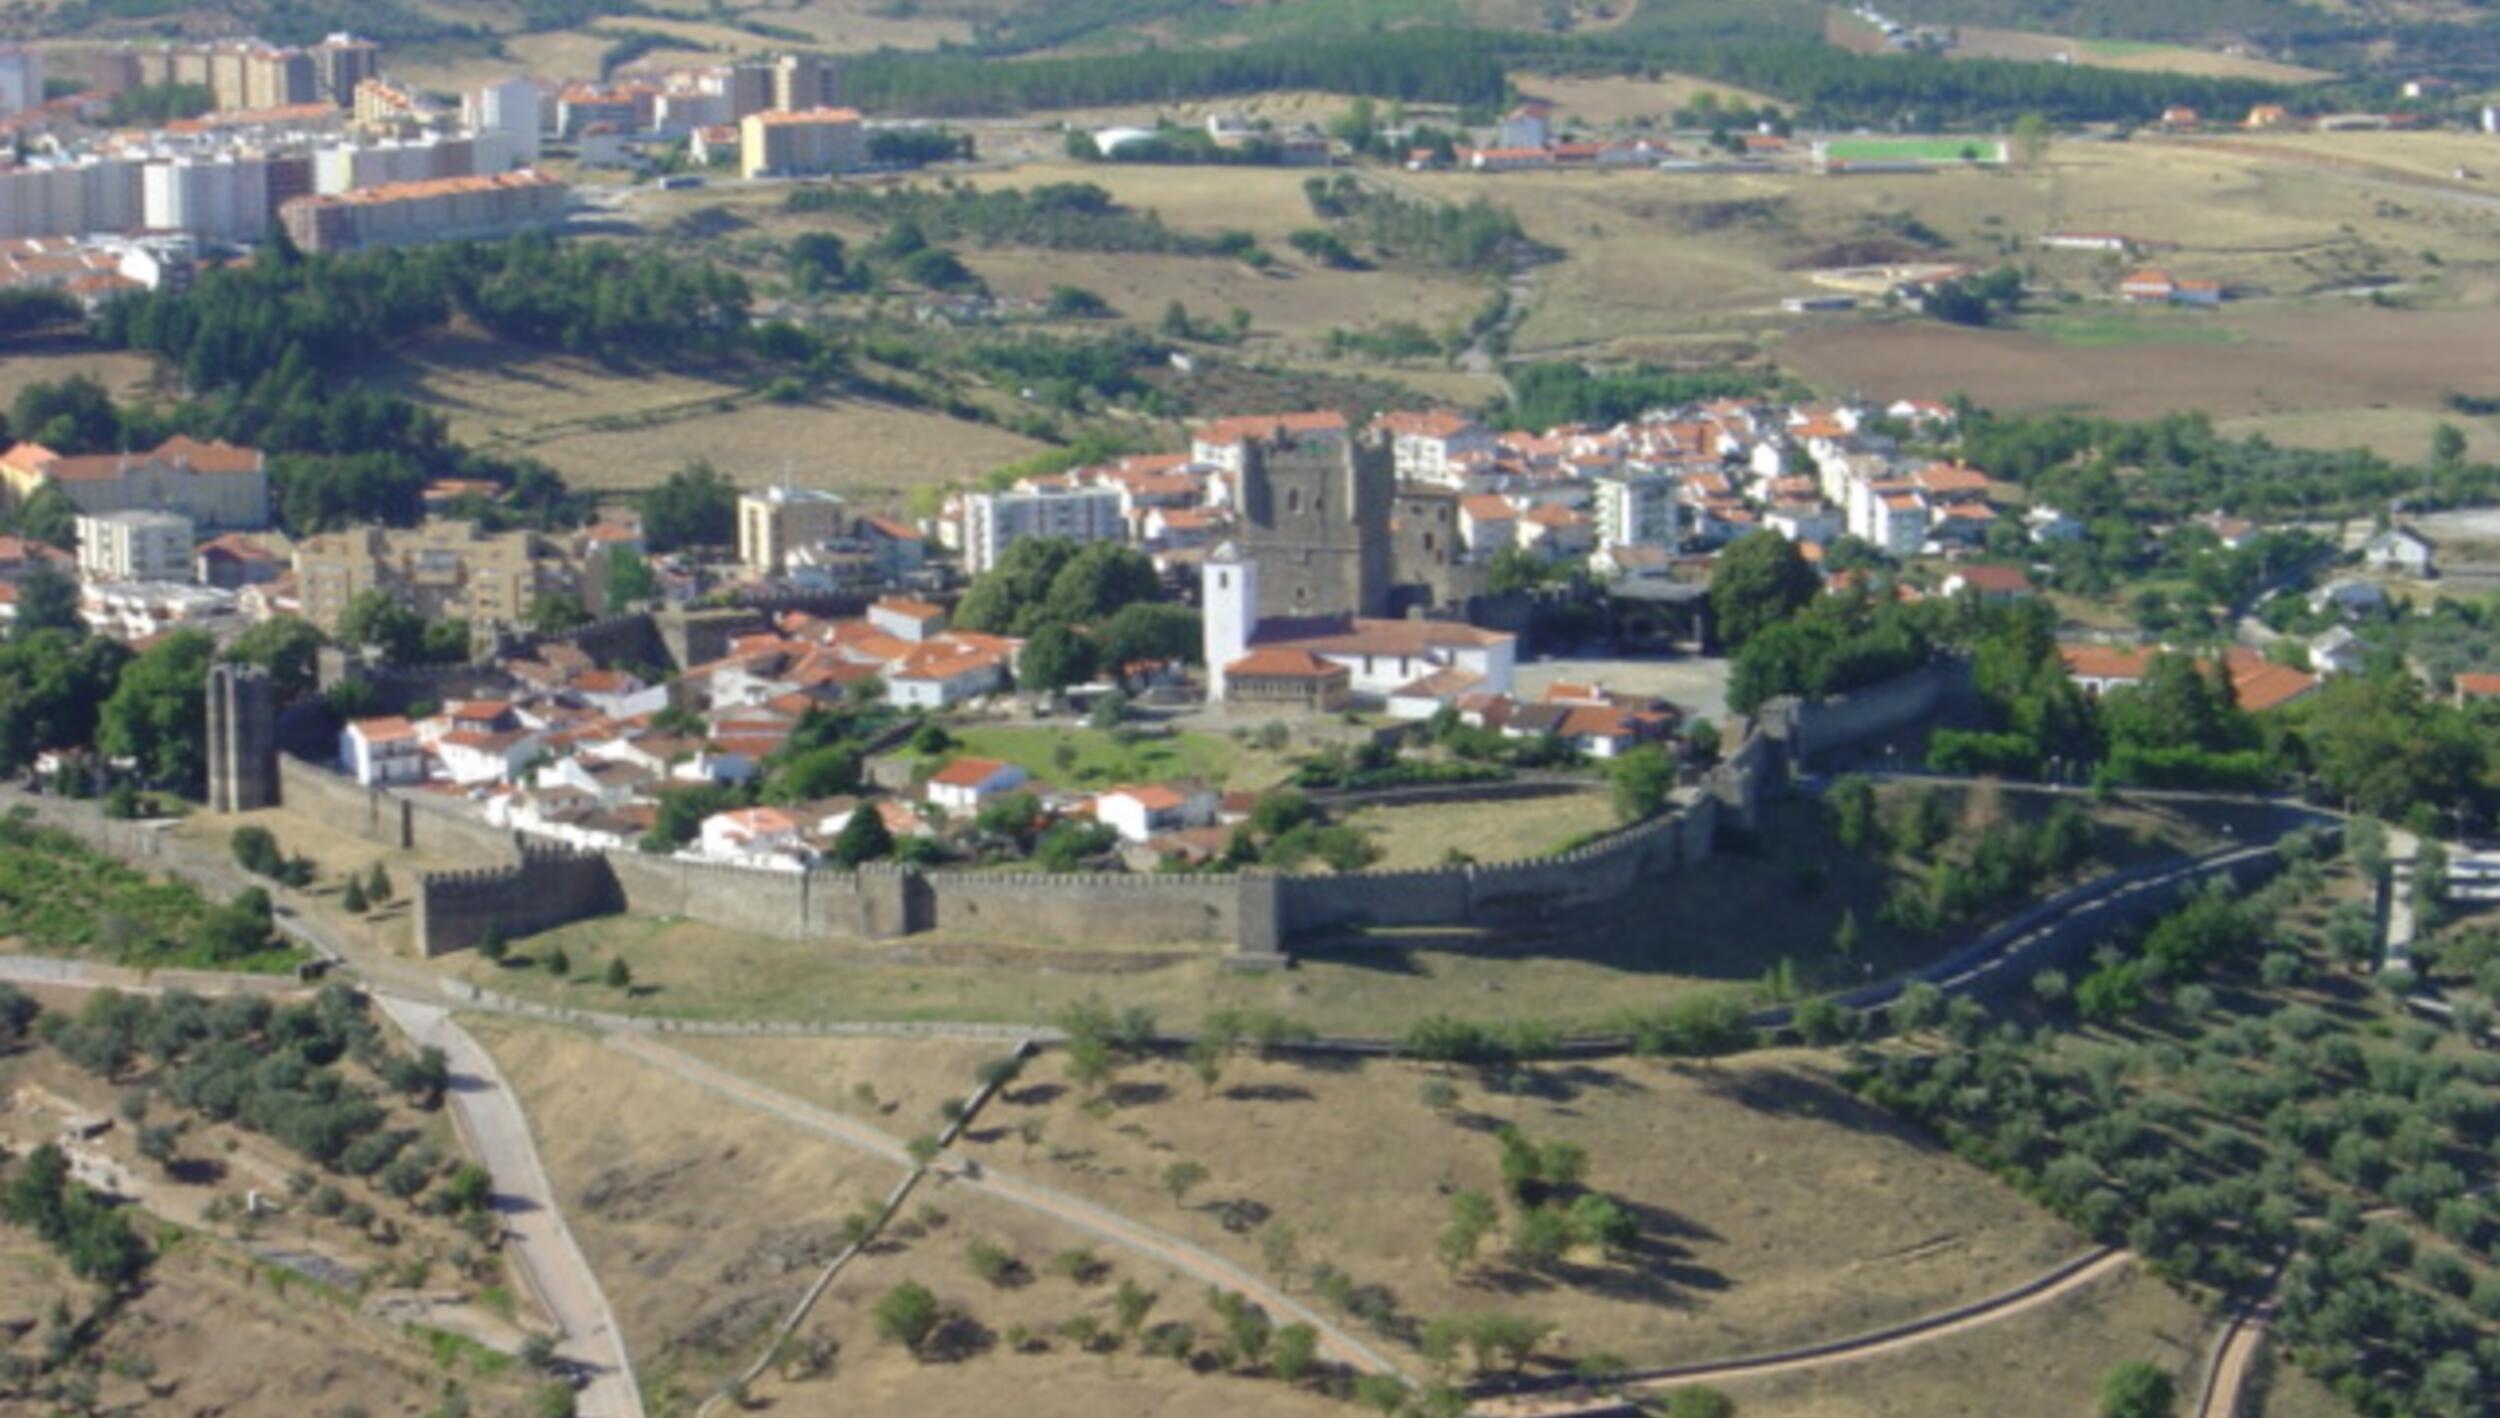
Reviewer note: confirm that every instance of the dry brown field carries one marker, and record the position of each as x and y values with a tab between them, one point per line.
611	430
1775	1209
705	1221
2044	1361
126	376
2324	358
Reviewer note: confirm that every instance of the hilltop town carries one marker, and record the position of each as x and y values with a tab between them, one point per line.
1560	709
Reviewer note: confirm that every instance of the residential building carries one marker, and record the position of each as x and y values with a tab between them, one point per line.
351	167
1143	812
1636	509
754	836
215	484
914	621
21	80
229	198
1434	447
340	63
441	569
801	143
964	785
943	674
804	81
408	214
775	521
515	112
136	545
1530	125
995	521
380	752
2257	683
2399	551
1989	583
71	197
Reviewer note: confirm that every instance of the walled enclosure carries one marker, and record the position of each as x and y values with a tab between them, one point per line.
1253	915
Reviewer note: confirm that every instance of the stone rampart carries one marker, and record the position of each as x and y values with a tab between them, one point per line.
544	888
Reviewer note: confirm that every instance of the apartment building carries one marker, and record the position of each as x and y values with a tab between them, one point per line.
71	198
412	213
21	80
440	570
230	197
342	62
805	142
1635	509
351	167
135	546
774	522
216	485
514	112
804	81
995	521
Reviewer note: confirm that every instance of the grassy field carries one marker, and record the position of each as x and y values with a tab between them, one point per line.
1075	757
2403	434
1498	832
613	430
705	1222
1775	1210
1740	916
1935	150
2138	56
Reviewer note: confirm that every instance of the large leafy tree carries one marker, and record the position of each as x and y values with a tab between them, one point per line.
696	506
286	647
1759	581
51	685
158	713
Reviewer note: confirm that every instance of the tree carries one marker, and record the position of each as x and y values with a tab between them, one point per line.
2448	445
287	647
160	1144
620	976
375	619
1129	1307
352	899
1090	1062
1760	580
558	613
864	838
46	600
695	506
1181	1177
906	1315
1846	936
2136	1389
493	946
2030	139
1056	657
1294	1352
1640	781
1206	1059
378	886
158	715
1700	1403
626	579
816	263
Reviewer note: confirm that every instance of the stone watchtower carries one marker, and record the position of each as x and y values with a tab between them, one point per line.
1315	519
242	739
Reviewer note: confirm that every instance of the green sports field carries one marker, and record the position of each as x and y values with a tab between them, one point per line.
1935	150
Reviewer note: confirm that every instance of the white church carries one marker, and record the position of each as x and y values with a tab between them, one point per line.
1327	662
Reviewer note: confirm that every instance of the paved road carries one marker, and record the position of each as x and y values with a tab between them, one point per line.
2402	850
1161	1247
543	1245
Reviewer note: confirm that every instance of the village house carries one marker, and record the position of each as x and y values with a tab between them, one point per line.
2398	551
383	751
1140	813
963	786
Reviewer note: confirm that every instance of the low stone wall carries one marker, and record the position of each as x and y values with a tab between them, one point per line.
1809	728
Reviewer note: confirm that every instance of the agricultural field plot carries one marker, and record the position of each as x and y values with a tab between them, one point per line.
1943	150
2138	56
125	376
606	429
1613	100
1774	1209
2318	362
2400	434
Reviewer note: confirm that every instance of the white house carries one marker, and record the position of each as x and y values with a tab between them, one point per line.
2047	524
939	675
1139	813
471	757
965	784
380	752
1380	657
1488	524
2349	595
754	836
2338	652
2400	551
906	619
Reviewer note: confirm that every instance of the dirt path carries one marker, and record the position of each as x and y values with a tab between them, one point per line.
2078	1274
1164	1249
2234	1361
